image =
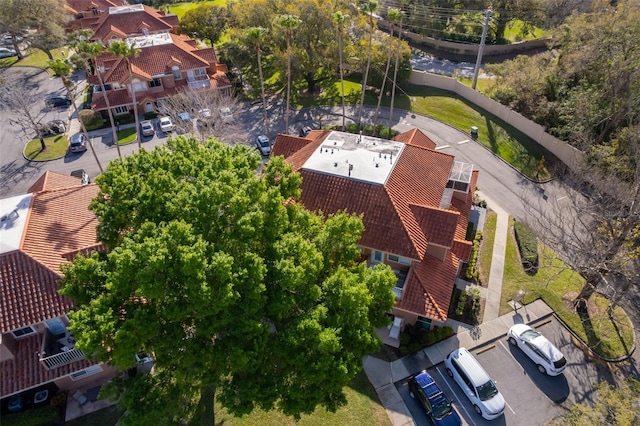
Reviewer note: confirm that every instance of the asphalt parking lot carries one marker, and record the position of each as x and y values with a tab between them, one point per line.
532	398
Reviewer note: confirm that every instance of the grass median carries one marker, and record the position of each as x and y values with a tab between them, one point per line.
556	284
56	147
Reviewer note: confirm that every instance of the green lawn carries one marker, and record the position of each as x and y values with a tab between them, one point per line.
363	408
126	136
558	285
513	32
33	58
486	248
56	148
181	8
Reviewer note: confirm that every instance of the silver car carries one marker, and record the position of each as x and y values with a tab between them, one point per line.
78	143
542	352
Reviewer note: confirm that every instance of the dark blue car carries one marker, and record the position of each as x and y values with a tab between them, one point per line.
438	407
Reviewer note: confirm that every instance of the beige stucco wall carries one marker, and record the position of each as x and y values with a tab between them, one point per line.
569	155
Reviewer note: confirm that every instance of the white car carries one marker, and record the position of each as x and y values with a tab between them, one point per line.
7	53
226	114
146	127
166	125
542	352
262	143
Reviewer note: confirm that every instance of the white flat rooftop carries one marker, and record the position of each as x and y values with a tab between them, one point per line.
150	40
13	218
363	158
126	9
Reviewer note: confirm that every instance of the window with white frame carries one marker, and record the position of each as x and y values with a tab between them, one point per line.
86	372
399	259
200	72
155	83
121	110
377	256
139	85
23	332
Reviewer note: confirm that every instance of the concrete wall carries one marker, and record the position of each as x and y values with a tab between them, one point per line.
469	49
566	153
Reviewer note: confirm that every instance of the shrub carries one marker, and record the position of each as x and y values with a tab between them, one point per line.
150	115
472	267
527	245
124	119
462	301
88	96
474	304
353	128
92	119
413	339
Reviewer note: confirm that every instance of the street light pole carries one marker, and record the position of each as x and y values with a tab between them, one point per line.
487	17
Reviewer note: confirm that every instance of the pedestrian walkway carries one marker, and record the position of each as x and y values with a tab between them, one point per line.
383	375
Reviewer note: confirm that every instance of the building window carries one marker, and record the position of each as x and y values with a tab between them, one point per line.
86	372
155	83
423	323
138	85
26	331
122	110
145	31
176	72
399	259
200	72
377	257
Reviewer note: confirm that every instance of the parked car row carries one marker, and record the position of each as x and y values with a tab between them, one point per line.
475	382
6	52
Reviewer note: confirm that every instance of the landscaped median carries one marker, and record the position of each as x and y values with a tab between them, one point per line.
608	334
56	147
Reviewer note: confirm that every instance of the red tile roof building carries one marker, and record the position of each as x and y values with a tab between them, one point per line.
166	64
41	231
415	203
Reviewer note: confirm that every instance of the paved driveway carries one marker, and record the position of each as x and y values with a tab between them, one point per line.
532	398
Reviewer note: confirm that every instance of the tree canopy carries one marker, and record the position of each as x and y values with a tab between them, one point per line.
234	288
206	22
586	91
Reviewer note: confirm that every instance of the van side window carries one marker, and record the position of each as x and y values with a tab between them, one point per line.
462	374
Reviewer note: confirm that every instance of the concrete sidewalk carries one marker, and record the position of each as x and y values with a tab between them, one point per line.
383	375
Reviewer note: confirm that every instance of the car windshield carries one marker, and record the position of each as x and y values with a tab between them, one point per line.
263	142
441	408
487	391
529	335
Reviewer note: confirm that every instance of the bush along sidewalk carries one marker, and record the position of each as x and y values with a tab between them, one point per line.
527	246
414	338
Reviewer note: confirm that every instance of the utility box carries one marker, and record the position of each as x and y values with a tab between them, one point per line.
474	132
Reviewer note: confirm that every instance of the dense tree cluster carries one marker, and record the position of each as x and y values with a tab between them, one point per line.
586	90
236	290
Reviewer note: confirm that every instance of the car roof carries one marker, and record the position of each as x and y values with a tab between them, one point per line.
428	385
77	137
165	118
183	115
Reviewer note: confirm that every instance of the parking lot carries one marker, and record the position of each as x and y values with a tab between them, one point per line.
532	398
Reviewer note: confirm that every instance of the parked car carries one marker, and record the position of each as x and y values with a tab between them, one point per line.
52	128
58	100
475	383
7	53
166	125
262	143
438	407
542	352
78	143
146	127
185	120
8	39
204	118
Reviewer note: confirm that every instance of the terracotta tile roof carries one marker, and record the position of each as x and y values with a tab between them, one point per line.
415	137
438	225
54	180
29	292
129	23
287	145
78	6
25	371
434	277
462	249
60	222
383	226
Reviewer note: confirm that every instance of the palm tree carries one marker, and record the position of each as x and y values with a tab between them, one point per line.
123	50
368	8
62	68
393	16
289	23
340	19
395	71
91	51
255	37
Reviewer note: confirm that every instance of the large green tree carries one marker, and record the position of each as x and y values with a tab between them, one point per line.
206	22
237	291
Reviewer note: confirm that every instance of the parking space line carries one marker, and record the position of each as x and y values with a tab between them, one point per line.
455	396
437	148
464	141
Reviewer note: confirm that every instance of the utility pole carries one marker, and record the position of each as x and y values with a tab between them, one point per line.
487	17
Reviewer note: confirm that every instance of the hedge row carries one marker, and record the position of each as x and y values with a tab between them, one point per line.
414	338
472	267
528	246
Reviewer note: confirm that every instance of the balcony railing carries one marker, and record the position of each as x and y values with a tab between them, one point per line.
62	358
199	84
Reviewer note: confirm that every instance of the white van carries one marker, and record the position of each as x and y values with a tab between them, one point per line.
476	384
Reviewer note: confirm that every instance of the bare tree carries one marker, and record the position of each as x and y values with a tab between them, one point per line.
17	100
205	113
